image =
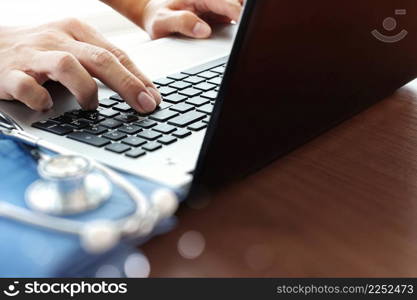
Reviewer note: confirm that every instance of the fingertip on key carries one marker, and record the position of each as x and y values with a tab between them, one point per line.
156	95
146	102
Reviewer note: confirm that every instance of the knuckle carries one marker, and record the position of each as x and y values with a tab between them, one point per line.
48	35
120	55
183	20
102	57
159	19
46	39
72	23
24	86
157	27
65	62
20	47
186	16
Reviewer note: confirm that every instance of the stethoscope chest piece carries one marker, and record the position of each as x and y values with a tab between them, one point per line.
68	185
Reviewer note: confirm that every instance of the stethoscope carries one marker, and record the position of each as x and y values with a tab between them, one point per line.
73	184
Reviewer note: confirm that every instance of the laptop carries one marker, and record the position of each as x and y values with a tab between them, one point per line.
296	69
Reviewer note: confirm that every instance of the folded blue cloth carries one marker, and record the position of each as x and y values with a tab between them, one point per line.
28	251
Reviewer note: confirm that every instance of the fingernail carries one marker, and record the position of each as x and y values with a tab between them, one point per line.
155	94
201	30
146	102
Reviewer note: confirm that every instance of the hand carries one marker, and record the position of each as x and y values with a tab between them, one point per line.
71	53
188	17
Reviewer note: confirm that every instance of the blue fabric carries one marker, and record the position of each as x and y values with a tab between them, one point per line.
28	251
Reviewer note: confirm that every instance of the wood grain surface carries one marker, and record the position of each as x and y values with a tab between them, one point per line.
343	205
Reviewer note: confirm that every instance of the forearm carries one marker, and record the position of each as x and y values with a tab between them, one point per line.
132	9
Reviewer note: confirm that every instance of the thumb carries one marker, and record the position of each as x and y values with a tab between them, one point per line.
186	23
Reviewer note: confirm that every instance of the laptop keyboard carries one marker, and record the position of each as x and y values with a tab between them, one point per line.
188	101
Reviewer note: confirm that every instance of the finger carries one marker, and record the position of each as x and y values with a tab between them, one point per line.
105	66
20	86
65	68
181	21
85	33
229	8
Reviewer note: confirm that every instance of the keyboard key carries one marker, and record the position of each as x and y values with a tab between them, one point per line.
111	123
208	75
134	141
197	126
182	107
164	128
164	105
204	86
180	85
217	80
96	129
194	80
53	127
175	98
220	69
197	101
166	90
117	148
89	139
123	107
114	135
92	116
146	124
152	146
62	119
178	76
190	92
181	133
187	119
163	81
109	113
107	103
167	140
79	124
127	118
149	135
208	109
135	153
74	114
212	95
130	129
117	97
163	115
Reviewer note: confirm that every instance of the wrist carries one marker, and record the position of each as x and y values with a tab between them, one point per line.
132	9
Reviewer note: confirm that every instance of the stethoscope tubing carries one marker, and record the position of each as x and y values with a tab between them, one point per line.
140	223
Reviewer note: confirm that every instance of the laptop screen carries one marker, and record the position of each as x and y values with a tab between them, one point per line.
297	69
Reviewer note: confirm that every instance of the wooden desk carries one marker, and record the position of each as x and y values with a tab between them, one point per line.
342	205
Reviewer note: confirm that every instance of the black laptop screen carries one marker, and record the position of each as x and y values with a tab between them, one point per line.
299	68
